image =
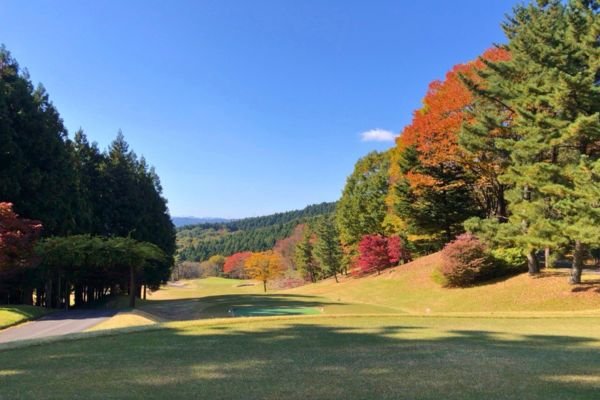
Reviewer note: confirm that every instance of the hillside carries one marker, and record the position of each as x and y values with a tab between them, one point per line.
184	221
412	288
199	242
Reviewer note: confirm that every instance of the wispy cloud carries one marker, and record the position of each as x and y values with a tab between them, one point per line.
378	135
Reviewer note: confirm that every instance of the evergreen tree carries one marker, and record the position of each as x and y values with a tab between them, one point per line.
36	173
304	257
550	87
327	249
434	209
361	209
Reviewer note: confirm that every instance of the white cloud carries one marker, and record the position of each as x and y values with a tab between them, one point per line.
378	135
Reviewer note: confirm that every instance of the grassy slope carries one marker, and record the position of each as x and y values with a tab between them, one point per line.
11	315
383	357
410	288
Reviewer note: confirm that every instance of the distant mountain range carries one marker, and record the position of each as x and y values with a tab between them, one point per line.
198	241
183	221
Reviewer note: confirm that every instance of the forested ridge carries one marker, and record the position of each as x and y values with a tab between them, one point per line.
200	242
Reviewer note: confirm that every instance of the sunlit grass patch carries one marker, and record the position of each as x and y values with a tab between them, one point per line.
15	314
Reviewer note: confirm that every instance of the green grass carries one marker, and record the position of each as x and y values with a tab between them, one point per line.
215	297
253	311
412	289
12	315
376	357
400	335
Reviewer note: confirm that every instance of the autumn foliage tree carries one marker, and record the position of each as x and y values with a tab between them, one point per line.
264	267
377	252
17	239
373	254
397	251
234	264
435	187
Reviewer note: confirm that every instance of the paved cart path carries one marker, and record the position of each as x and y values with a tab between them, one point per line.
56	324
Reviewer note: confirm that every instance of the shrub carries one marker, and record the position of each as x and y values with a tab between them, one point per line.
508	261
465	261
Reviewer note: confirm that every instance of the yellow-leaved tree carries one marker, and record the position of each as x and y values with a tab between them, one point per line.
264	266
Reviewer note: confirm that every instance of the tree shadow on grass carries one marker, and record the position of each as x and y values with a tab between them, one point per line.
302	360
220	306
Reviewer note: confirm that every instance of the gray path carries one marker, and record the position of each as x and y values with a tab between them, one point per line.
55	324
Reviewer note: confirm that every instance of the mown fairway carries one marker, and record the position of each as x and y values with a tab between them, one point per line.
373	357
362	343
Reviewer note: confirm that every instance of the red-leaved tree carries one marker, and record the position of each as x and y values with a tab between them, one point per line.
17	239
397	251
373	254
234	265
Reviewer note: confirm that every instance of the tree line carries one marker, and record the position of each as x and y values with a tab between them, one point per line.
75	192
506	147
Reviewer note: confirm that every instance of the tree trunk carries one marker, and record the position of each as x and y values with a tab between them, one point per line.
335	276
59	293
28	296
67	295
532	263
39	294
547	257
144	292
577	266
265	286
502	213
132	287
78	296
48	293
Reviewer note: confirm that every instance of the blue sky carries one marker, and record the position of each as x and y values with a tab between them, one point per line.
245	107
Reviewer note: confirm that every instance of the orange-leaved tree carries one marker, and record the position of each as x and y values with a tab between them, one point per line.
264	266
434	189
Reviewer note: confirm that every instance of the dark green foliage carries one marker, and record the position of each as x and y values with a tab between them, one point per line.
200	242
70	185
91	267
549	88
438	212
304	257
362	209
327	249
36	172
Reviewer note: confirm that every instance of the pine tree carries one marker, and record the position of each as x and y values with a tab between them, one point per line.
550	87
437	209
327	249
304	257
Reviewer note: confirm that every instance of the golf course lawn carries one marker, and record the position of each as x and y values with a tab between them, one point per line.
398	335
366	357
15	314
